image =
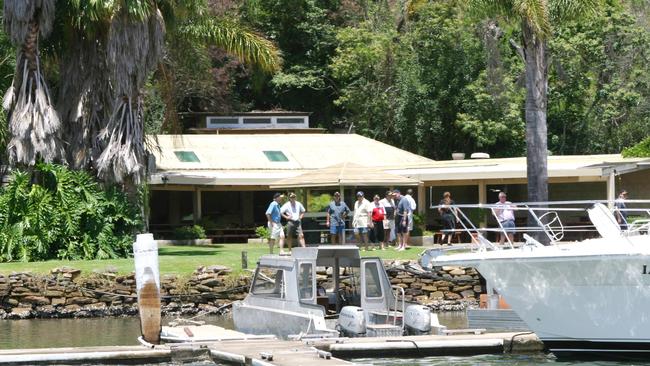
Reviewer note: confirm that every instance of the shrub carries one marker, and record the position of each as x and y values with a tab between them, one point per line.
189	232
640	150
64	215
263	232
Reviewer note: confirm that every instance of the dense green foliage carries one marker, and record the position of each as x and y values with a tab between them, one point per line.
433	77
56	213
189	232
640	150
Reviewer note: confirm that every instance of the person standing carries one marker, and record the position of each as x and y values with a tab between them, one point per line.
337	211
293	211
448	214
274	224
403	212
506	216
621	210
378	216
362	219
389	219
414	205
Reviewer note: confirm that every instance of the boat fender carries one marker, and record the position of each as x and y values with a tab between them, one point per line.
352	321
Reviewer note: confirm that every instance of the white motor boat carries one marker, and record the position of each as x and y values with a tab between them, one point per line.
356	299
583	299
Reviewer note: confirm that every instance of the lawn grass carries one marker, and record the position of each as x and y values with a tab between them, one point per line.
183	260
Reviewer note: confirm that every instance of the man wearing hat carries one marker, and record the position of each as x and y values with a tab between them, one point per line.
273	217
293	211
335	219
362	219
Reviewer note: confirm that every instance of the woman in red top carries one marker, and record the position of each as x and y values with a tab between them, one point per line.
378	215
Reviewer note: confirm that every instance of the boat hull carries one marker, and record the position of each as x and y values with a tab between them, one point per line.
579	304
252	319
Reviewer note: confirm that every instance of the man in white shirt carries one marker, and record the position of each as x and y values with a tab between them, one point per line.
506	216
293	211
362	219
409	197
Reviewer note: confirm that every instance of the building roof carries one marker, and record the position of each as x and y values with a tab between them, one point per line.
565	166
346	174
252	159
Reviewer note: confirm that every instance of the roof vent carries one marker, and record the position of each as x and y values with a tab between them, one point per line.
480	155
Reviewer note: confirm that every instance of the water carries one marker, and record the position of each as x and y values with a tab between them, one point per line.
43	333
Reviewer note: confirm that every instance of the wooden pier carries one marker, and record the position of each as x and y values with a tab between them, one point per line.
238	348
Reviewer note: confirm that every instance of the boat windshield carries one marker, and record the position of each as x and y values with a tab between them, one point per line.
269	282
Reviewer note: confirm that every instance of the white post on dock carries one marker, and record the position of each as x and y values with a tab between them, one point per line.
147	279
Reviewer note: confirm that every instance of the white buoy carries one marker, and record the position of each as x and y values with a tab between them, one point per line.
147	279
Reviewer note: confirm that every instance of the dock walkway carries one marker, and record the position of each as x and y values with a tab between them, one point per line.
245	350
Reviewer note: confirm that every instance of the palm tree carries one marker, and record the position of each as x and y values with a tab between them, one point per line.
536	18
105	51
33	122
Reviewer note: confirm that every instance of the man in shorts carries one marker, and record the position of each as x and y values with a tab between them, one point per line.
293	211
362	219
336	214
403	213
273	218
506	216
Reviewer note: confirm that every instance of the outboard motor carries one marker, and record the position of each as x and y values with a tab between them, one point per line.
352	322
417	320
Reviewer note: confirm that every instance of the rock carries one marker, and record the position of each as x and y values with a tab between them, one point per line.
37	300
11	302
53	293
212	282
457	272
437	295
467	293
58	301
46	311
478	288
20	313
429	288
80	300
408	280
461	288
219	269
452	296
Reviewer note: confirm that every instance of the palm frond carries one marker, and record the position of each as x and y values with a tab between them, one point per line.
237	40
563	9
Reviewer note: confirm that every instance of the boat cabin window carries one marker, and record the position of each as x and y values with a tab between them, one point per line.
269	282
372	281
306	281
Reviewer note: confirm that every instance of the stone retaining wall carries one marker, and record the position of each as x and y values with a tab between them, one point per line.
64	293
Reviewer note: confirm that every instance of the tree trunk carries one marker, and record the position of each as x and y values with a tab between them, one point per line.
536	102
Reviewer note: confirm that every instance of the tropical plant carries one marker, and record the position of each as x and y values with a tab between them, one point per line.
105	52
536	18
66	215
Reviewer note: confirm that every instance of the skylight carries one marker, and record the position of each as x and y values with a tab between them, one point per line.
275	156
187	156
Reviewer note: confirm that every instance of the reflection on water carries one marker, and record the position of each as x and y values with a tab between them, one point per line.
44	333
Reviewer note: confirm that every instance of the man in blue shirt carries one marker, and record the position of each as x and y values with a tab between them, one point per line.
275	226
402	218
335	219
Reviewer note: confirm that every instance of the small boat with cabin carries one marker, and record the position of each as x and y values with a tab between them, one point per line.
327	291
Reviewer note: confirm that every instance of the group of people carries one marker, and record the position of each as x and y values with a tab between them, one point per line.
504	211
377	223
292	211
380	222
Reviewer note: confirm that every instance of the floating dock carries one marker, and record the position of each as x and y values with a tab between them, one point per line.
238	348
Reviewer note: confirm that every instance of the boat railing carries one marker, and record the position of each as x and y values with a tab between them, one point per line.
547	225
400	291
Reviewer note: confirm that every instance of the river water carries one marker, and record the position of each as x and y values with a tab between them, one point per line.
41	333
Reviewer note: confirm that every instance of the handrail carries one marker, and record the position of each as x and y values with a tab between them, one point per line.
395	306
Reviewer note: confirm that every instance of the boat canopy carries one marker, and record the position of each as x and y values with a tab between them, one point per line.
330	255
